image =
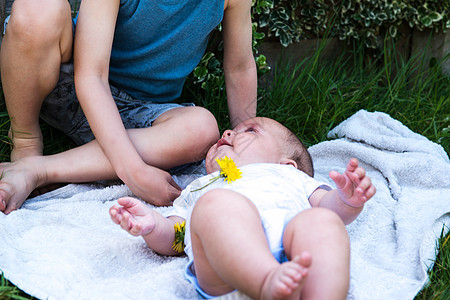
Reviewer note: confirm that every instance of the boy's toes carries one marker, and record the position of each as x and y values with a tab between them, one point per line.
3	200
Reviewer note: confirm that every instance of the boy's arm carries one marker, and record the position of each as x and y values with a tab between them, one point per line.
354	189
93	41
138	219
238	62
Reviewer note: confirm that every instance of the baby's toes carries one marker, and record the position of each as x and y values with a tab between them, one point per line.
292	276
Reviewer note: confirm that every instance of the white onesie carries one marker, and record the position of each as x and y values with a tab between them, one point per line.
279	192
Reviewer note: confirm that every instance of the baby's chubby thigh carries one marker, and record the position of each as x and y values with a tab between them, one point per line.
321	233
227	236
314	225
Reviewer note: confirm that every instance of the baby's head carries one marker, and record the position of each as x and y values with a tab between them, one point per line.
260	140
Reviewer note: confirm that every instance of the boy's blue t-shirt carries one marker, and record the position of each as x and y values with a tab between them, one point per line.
157	43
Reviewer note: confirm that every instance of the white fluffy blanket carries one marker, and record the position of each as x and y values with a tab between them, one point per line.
63	245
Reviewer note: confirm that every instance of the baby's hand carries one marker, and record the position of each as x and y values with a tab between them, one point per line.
133	216
354	187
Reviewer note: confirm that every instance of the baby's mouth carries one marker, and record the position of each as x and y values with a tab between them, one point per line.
223	142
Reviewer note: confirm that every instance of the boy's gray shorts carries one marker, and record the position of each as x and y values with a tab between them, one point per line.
62	110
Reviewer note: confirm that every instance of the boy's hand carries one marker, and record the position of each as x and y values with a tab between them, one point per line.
133	216
354	187
152	185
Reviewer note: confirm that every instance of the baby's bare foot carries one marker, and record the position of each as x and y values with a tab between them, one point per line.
25	146
287	280
17	181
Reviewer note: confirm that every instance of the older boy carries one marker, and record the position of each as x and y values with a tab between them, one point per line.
145	49
267	233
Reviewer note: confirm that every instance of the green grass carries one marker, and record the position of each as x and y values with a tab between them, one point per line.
312	96
9	291
439	283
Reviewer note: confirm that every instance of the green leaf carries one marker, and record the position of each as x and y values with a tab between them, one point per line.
346	4
283	15
259	35
214	64
426	21
207	57
200	73
393	31
263	21
281	25
435	16
284	39
382	16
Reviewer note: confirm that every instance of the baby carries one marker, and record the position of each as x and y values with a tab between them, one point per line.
271	231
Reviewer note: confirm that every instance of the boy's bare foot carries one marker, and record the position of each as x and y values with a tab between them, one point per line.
133	216
287	280
17	181
25	146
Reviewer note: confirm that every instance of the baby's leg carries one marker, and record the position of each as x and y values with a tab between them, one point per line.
321	233
231	251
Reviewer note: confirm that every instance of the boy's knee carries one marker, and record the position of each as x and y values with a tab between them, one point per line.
201	127
198	123
38	21
203	121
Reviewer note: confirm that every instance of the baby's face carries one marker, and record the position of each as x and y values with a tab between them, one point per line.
257	140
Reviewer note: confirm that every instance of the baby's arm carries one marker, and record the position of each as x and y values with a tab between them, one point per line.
354	189
137	218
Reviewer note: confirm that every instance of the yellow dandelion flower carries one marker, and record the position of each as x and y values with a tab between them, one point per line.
178	243
228	169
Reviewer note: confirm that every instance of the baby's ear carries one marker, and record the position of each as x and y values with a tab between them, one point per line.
288	161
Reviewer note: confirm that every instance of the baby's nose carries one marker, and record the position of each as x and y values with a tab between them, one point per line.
227	132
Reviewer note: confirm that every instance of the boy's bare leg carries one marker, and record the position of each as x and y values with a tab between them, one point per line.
322	233
38	38
231	251
178	136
